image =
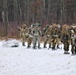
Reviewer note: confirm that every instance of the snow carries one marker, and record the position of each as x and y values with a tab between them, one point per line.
23	61
10	43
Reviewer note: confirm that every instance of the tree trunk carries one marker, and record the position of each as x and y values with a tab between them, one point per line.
5	17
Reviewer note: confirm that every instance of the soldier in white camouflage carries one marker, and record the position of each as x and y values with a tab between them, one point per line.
36	32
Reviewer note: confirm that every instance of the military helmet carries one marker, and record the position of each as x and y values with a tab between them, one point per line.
38	24
65	28
46	26
32	25
24	26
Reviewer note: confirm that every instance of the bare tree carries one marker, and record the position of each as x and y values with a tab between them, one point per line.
5	16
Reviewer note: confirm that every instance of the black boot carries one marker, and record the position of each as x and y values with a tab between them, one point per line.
49	46
45	46
34	47
57	46
53	48
23	44
75	50
28	46
66	52
39	47
72	52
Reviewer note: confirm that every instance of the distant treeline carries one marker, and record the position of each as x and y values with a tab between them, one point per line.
31	11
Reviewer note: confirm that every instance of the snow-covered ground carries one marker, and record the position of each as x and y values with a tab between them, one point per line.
23	61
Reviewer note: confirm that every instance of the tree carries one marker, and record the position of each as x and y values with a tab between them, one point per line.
5	16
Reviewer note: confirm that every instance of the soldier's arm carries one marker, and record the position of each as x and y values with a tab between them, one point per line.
46	32
19	28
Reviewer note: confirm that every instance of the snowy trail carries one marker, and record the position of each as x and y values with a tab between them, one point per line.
23	61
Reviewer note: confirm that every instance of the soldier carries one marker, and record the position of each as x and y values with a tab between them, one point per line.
29	39
59	35
46	35
36	36
65	38
55	35
23	31
73	39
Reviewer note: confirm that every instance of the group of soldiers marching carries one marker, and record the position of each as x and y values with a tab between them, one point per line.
52	34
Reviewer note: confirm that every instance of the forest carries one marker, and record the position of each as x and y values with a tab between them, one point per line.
14	13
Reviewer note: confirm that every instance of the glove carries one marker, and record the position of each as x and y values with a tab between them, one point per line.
42	35
33	31
62	41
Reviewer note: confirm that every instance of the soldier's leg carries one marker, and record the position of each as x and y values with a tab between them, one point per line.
58	41
34	42
39	40
75	49
45	42
23	42
72	49
50	42
75	45
54	43
66	47
29	42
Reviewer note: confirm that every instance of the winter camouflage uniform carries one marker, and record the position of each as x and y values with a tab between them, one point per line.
73	39
29	39
23	31
47	34
36	36
65	38
55	36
